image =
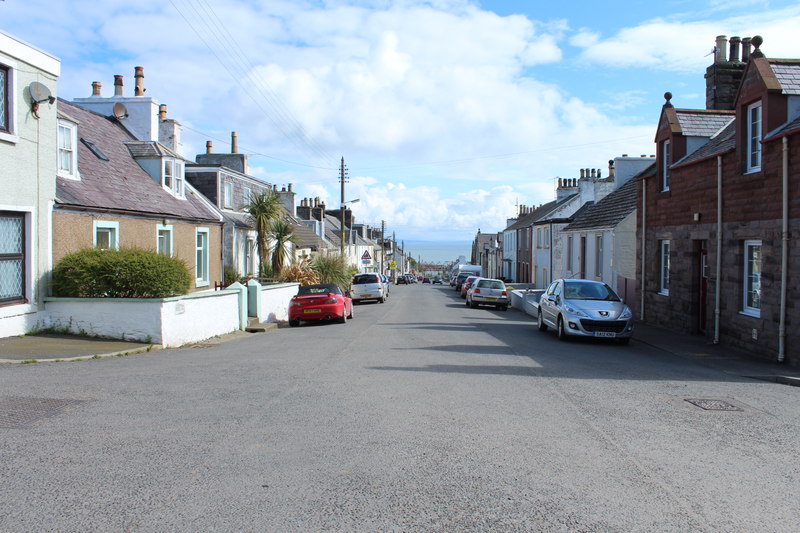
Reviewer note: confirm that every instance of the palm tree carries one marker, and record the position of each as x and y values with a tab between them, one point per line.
262	209
281	233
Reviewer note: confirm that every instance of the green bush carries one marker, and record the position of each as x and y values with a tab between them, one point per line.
126	273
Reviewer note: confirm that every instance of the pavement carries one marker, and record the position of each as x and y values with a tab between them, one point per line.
52	347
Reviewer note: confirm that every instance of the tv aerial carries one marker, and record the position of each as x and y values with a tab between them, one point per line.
39	93
120	111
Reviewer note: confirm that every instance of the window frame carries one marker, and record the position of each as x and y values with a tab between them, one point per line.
227	194
664	265
753	136
570	244
8	129
72	128
747	275
168	230
598	256
111	225
666	154
202	258
176	185
22	257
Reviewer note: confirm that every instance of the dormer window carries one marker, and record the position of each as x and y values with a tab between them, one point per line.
67	149
754	137
172	178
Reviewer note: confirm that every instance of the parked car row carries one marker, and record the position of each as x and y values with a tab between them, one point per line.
572	307
329	302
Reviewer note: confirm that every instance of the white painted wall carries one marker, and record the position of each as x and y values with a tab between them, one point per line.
275	301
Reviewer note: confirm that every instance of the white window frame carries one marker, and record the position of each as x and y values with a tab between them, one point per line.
227	195
598	256
71	129
202	258
666	154
663	263
753	136
751	306
173	169
8	257
168	230
10	135
112	226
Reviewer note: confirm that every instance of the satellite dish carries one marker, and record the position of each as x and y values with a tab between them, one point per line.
39	92
120	111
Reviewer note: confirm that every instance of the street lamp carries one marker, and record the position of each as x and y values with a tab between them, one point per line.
342	215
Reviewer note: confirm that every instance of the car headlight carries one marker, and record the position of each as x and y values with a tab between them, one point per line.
627	313
577	312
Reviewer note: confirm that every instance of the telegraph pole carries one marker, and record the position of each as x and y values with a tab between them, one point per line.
342	179
383	245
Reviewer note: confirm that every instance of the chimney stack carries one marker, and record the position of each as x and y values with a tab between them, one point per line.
234	143
208	147
139	79
723	77
745	49
117	85
96	87
162	111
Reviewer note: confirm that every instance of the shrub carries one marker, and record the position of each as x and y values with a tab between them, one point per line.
229	274
333	269
126	273
300	271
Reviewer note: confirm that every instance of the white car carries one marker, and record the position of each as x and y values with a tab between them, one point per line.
486	291
367	286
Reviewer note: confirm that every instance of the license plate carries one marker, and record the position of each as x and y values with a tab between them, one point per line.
310	311
604	334
490	299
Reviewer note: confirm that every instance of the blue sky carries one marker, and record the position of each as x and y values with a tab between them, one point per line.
448	113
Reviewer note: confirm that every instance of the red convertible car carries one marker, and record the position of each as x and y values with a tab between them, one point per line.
326	301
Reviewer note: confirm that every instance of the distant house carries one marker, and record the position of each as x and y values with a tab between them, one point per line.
600	242
487	251
27	181
720	218
115	190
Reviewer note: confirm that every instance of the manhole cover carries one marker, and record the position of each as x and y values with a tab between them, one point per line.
713	405
19	412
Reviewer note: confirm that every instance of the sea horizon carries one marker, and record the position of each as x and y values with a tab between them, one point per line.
438	251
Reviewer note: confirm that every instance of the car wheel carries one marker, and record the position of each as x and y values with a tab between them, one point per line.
343	318
382	299
466	302
562	332
504	308
540	321
294	323
473	304
350	316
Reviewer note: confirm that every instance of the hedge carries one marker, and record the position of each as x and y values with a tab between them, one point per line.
126	273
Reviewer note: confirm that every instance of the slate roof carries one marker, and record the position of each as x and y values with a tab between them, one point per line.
611	210
787	71
119	184
790	127
539	213
723	141
702	122
306	238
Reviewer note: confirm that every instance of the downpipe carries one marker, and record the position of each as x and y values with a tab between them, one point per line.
784	249
718	269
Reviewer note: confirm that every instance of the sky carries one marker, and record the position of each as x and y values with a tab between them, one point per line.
448	113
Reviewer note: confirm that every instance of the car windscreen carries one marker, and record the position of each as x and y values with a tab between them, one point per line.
364	279
318	289
589	291
491	284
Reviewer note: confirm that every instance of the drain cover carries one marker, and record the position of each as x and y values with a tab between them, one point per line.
713	405
19	412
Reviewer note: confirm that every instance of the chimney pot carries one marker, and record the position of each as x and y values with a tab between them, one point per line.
734	53
721	48
162	111
139	79
96	87
118	84
234	143
745	49
594	173
290	187
208	147
582	173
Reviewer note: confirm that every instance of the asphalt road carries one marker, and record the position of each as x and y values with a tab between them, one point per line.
418	415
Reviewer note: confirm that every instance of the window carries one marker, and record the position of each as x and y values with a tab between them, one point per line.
12	257
569	254
228	198
752	278
664	268
5	96
201	257
94	149
598	256
538	237
247	194
173	177
67	149
754	137
665	161
546	237
168	173
106	235
164	240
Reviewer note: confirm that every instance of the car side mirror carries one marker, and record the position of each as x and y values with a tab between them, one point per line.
347	293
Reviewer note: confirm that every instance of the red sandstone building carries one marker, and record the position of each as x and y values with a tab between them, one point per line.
719	222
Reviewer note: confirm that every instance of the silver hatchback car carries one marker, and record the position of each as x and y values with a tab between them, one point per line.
368	286
485	291
584	308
